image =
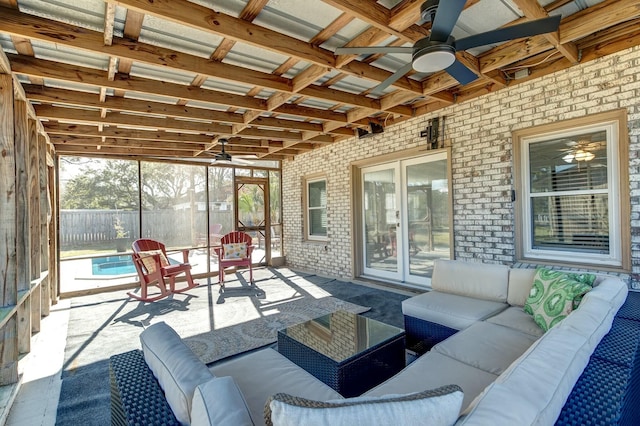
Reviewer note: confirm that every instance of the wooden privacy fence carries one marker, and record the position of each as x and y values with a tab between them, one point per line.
99	228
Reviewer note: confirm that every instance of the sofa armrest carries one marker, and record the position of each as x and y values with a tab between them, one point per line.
136	396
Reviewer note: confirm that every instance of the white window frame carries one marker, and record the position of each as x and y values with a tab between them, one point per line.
308	209
614	123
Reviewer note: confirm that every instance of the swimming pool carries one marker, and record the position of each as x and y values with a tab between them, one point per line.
112	265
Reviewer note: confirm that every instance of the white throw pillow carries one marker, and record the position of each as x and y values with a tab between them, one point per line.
235	250
434	407
219	402
178	370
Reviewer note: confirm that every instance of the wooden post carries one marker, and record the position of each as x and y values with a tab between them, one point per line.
53	240
8	265
23	214
44	229
34	225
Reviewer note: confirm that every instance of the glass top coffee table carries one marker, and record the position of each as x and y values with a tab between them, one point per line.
348	352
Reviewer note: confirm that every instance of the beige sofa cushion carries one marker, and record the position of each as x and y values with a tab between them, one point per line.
433	370
450	310
609	289
472	279
536	386
178	370
219	402
264	373
489	347
516	318
520	281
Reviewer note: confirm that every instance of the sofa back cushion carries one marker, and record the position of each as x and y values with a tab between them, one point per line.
436	407
478	280
520	281
178	370
535	387
611	289
219	402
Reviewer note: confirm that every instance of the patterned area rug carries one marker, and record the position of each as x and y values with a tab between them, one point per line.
214	324
218	344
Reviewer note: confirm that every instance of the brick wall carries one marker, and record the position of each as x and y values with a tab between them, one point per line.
479	133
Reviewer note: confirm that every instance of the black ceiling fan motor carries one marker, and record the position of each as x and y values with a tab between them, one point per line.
428	10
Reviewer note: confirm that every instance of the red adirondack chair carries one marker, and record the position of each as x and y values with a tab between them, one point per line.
152	264
234	250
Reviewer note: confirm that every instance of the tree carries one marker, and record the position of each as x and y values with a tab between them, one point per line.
100	184
113	184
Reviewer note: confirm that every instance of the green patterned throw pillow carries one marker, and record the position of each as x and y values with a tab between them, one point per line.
555	294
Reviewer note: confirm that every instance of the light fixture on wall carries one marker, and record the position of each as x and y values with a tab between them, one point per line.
434	133
374	129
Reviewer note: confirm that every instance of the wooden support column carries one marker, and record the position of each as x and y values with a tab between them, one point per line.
45	208
8	265
53	241
34	226
23	222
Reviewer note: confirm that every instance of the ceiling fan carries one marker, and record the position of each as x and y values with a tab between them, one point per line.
582	150
438	51
223	157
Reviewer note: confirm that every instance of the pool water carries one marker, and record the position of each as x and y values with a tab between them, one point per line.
112	265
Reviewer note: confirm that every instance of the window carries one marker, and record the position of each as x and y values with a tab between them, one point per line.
574	199
316	219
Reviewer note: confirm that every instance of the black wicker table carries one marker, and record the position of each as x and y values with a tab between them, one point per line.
348	352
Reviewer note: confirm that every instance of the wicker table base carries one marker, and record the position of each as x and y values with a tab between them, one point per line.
354	374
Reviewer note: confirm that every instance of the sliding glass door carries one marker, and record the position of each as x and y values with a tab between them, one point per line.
406	218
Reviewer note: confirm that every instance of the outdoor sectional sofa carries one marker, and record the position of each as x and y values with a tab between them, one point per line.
508	370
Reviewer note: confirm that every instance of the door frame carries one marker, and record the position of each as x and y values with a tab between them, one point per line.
265	229
357	227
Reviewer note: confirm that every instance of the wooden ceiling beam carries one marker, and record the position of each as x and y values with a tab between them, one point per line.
133	143
533	10
205	19
75	115
379	16
109	22
598	17
91	130
407	12
93	77
116	150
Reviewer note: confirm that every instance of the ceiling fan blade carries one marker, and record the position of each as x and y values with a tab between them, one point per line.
241	161
527	29
373	50
446	17
391	79
461	73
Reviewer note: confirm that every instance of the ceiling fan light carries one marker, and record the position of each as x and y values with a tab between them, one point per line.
582	155
568	158
434	58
